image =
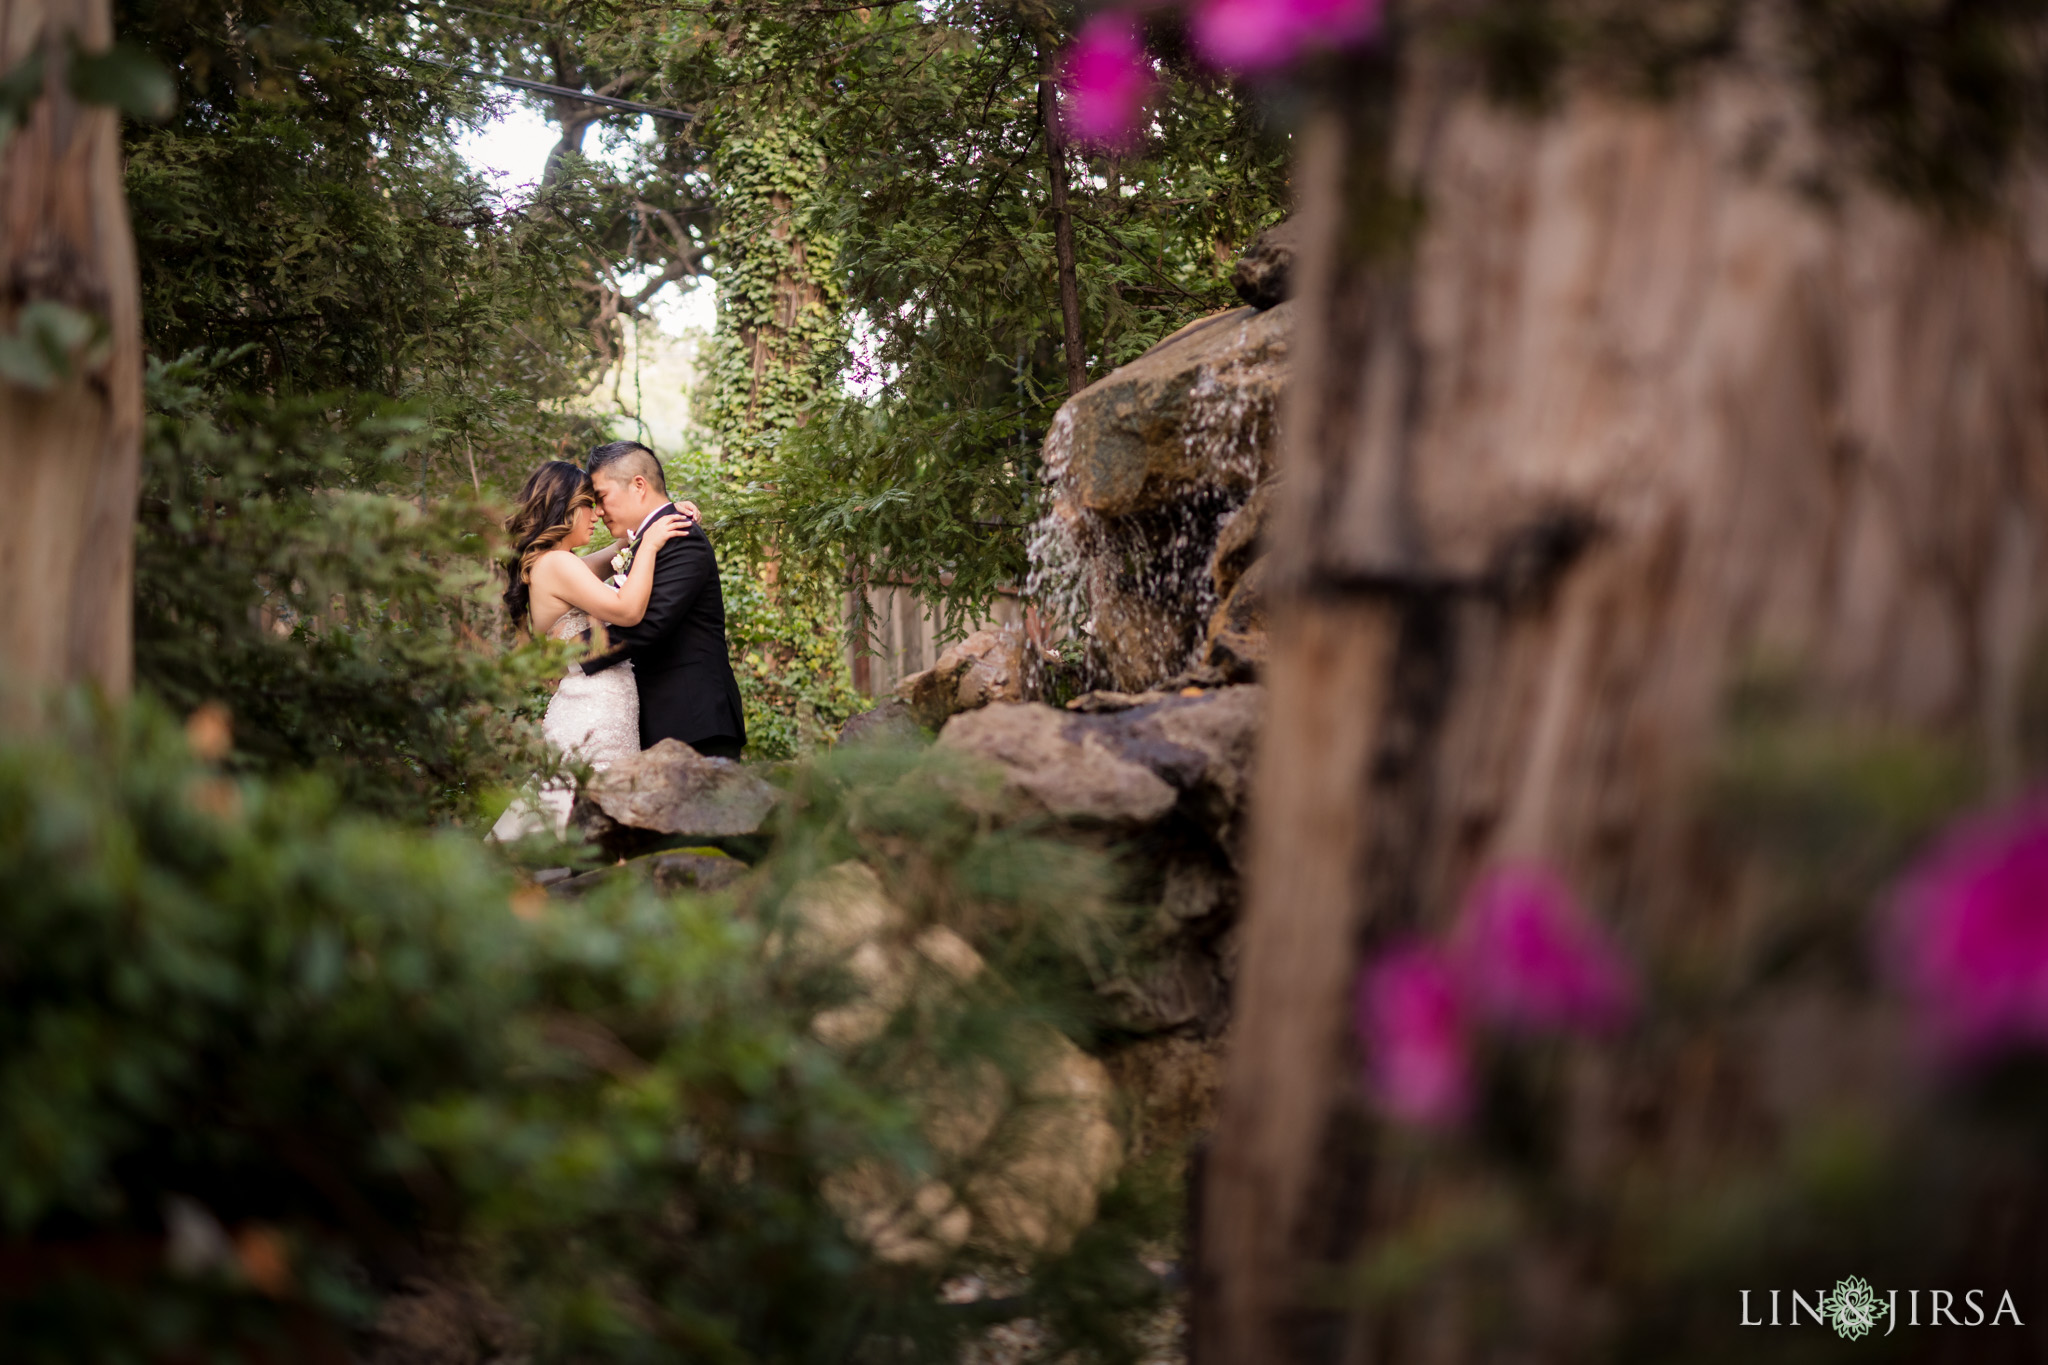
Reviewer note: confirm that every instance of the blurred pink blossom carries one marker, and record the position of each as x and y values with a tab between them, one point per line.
1412	1027
1528	957
1258	35
1969	934
1107	79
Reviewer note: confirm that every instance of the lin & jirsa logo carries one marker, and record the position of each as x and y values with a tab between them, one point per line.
1853	1309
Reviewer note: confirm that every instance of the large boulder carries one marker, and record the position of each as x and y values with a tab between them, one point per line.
889	723
1166	992
1054	763
1127	766
1195	411
985	667
1174	769
1146	466
672	790
1240	541
1172	1084
1203	745
1022	1157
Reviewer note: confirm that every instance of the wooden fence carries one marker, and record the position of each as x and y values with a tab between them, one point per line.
906	636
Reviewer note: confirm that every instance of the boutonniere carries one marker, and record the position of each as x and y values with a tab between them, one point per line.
622	564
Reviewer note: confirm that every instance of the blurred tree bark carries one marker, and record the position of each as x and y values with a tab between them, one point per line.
1638	413
71	387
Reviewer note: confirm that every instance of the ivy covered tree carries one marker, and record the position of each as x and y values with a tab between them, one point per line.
776	352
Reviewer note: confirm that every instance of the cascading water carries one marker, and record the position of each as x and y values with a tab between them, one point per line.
1055	580
1137	584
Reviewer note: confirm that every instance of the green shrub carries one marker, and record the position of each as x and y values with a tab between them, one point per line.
335	1059
349	632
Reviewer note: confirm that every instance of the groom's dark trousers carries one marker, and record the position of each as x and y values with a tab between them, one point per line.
681	664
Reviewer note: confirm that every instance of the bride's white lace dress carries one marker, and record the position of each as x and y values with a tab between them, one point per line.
594	718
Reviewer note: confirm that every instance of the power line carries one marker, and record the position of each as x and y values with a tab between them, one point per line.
507	18
563	92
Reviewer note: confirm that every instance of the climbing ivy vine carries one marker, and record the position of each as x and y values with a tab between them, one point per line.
780	331
778	347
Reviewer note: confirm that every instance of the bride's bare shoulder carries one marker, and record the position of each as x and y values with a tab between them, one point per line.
558	561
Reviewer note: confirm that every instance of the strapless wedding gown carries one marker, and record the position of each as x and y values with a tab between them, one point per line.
593	718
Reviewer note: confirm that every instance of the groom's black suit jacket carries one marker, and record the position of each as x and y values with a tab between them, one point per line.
681	665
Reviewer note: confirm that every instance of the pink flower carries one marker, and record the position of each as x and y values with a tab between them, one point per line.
1258	35
1412	1027
1107	77
1969	934
1528	958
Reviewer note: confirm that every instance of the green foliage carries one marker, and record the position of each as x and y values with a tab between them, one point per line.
305	212
935	192
739	1118
350	335
127	78
229	993
235	1004
884	395
348	632
786	645
788	650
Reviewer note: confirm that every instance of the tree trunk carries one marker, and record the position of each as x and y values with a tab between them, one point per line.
1063	237
70	446
1639	414
777	301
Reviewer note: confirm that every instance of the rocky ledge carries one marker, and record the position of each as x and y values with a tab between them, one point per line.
672	794
1158	475
1162	782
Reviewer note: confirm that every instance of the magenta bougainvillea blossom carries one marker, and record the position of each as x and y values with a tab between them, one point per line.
1107	79
1528	957
1523	959
1259	35
1969	935
1412	1025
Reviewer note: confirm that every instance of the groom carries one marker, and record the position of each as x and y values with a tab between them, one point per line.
680	662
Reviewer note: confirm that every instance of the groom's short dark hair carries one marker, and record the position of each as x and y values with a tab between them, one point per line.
621	460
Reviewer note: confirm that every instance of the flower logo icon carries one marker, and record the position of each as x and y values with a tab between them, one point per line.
1853	1308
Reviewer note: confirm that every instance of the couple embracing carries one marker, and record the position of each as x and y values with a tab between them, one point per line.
664	671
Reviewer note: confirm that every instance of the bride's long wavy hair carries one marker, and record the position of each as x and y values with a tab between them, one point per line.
548	503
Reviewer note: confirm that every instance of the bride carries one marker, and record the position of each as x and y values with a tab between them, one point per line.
550	591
